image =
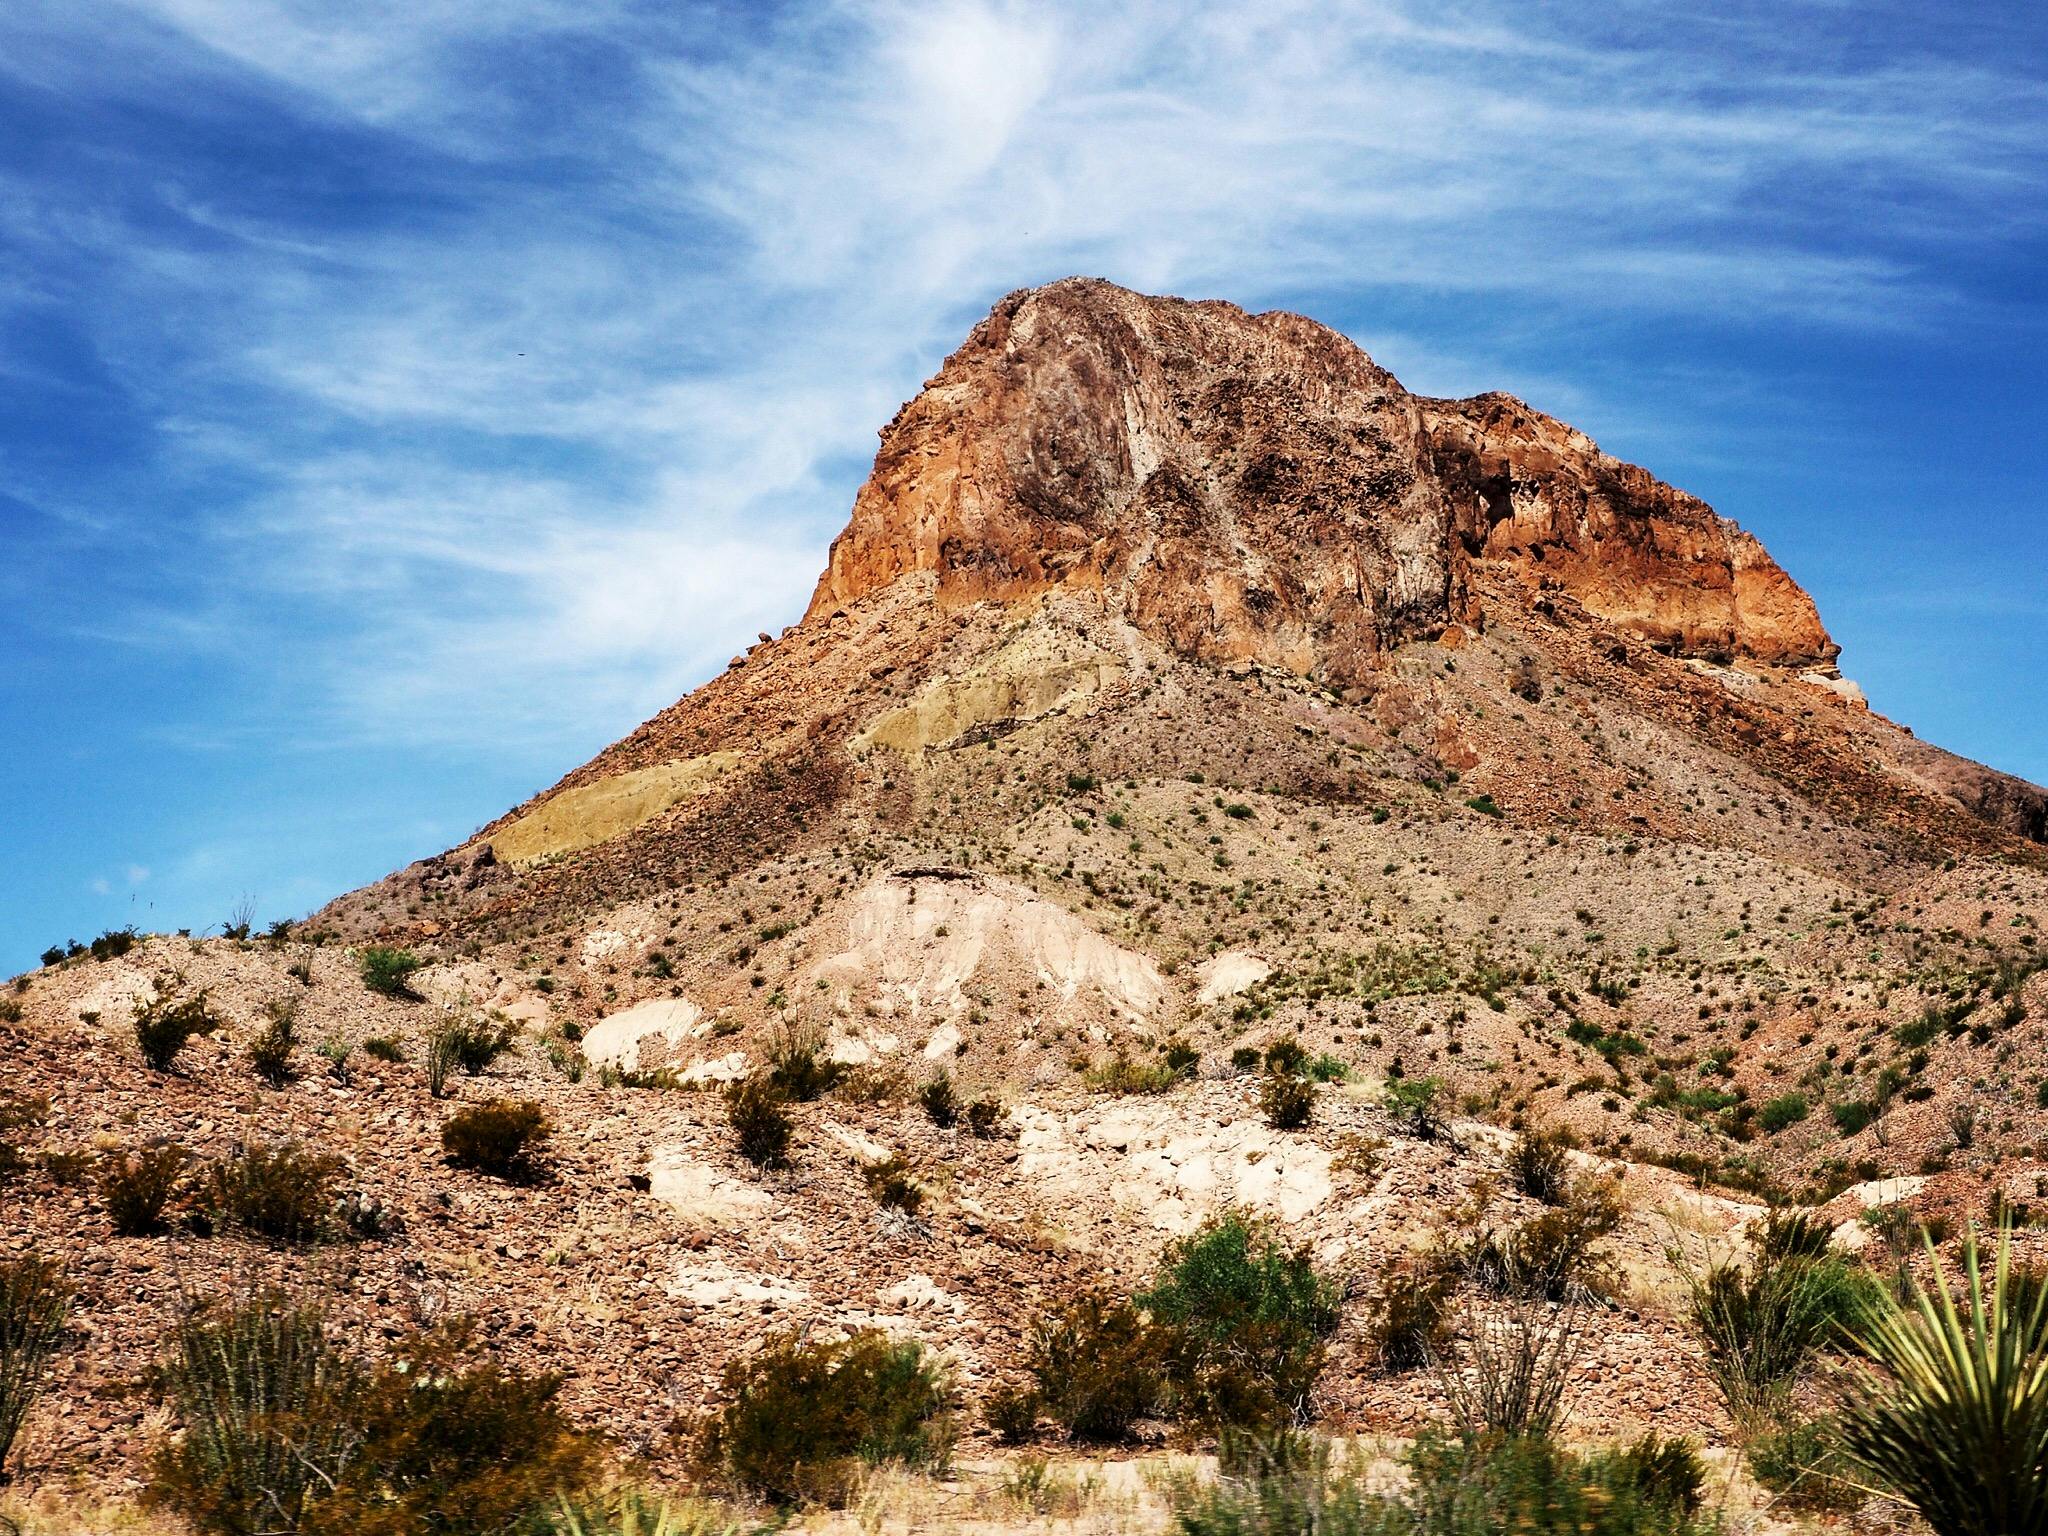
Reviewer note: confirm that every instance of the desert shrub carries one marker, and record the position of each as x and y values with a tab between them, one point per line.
941	1104
17	1116
286	1431
270	1053
1327	1069
1453	1487
383	1048
501	1137
137	1187
1181	1058
1540	1165
1414	1103
283	1192
799	1070
162	1026
985	1118
889	1180
1120	1074
112	944
386	971
1852	1115
1802	1463
474	1044
1554	1254
1012	1414
1246	1058
54	955
1510	1368
1286	1056
1411	1322
1666	1471
760	1124
266	1400
1954	1420
1529	1483
33	1302
1764	1322
1288	1102
453	1447
1246	1318
802	1417
1099	1365
1783	1112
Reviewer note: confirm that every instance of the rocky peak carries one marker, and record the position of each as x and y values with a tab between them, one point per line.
1256	487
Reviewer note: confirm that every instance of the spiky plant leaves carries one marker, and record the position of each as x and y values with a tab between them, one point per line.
1955	1422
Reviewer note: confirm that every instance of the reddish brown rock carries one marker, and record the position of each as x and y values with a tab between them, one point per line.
1255	486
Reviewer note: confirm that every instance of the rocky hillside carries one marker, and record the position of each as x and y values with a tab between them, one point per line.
1181	688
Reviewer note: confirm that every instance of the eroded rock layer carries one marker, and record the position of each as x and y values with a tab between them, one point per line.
1256	487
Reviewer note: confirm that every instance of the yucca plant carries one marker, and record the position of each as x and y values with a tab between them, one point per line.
1956	1424
635	1512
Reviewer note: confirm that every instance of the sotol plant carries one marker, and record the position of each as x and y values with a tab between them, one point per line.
1957	1424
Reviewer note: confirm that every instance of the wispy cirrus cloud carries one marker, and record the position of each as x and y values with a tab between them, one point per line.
584	410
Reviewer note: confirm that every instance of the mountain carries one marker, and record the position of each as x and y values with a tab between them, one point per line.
1180	686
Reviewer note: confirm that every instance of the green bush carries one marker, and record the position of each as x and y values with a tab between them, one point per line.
1524	1484
1288	1102
270	1053
1099	1365
33	1302
266	1400
137	1187
1286	1056
799	1071
387	971
112	944
1852	1115
1783	1112
1764	1322
16	1116
452	1447
383	1048
1414	1103
889	1180
162	1027
802	1417
1554	1255
985	1118
284	1192
1411	1322
1802	1463
286	1431
1181	1058
501	1137
1120	1074
1954	1420
1246	1318
941	1105
1012	1414
760	1125
474	1044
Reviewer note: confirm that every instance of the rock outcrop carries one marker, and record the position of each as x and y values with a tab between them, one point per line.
1254	487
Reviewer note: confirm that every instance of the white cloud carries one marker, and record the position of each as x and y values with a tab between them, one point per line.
540	463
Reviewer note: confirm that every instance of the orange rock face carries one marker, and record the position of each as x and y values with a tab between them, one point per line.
1256	487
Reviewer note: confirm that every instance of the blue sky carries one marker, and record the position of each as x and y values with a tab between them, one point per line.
399	400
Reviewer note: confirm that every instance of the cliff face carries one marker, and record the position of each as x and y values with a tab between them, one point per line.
1256	487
